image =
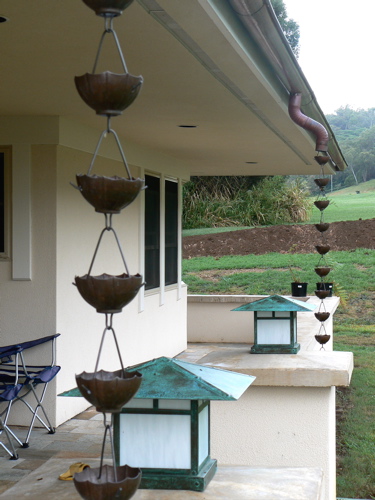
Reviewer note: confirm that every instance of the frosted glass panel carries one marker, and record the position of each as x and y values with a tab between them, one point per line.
161	441
140	403
174	404
203	435
273	332
264	314
282	314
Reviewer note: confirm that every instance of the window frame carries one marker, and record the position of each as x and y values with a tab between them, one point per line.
6	153
162	283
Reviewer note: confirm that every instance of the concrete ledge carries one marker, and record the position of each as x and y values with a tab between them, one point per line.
305	369
210	319
222	299
251	483
229	483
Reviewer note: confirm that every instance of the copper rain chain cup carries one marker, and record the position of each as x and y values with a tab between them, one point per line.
109	195
107	293
108	93
108	391
108	483
322	339
322	249
108	8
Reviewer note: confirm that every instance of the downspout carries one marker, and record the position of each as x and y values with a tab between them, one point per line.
307	123
259	20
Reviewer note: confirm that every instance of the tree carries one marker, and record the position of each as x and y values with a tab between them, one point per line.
289	26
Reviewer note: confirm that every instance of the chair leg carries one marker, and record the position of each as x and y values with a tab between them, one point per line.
47	426
4	423
8	433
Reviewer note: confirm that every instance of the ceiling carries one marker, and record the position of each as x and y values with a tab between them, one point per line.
209	81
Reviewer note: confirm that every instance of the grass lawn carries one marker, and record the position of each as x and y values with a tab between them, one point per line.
354	330
347	206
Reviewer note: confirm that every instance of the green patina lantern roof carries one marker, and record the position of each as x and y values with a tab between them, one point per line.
276	303
166	378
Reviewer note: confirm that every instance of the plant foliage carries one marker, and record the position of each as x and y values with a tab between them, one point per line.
228	201
289	26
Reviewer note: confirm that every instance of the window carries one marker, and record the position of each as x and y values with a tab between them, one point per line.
152	232
4	201
171	232
161	217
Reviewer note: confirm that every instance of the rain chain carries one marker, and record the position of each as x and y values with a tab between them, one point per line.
322	268
108	94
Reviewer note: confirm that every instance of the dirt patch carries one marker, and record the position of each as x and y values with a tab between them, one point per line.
347	235
215	275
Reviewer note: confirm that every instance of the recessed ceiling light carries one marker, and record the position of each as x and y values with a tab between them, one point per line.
187	126
251	162
3	19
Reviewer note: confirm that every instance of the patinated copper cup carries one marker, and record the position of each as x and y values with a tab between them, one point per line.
108	93
108	8
322	294
321	204
108	391
322	316
108	293
322	339
322	271
323	226
109	195
321	182
91	487
322	249
322	160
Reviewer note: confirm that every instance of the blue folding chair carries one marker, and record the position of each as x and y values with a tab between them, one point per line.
32	376
9	391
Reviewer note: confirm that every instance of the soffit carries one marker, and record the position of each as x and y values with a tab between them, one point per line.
240	111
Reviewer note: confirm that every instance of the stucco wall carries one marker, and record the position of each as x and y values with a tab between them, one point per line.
278	426
144	331
28	308
211	319
64	230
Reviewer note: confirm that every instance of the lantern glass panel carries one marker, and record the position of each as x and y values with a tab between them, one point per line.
174	404
273	332
139	403
282	314
264	314
155	441
203	432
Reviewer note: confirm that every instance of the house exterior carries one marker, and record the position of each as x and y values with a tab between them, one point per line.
217	79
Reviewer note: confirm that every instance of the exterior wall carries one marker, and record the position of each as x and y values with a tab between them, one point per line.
28	307
278	426
60	230
210	319
152	325
287	417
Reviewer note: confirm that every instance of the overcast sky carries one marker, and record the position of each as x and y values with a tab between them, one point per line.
337	52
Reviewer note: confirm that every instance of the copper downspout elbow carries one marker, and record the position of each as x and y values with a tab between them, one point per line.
307	123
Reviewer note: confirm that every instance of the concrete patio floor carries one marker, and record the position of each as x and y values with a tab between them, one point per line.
35	474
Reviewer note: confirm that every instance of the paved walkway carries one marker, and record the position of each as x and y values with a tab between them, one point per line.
35	474
49	455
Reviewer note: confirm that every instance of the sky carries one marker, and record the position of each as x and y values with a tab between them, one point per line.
337	50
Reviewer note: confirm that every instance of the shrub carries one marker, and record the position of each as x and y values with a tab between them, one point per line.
228	201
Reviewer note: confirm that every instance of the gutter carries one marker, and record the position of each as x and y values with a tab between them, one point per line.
261	23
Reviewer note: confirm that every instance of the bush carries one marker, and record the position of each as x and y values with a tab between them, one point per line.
228	201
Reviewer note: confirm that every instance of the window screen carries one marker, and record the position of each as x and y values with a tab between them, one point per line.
152	232
171	232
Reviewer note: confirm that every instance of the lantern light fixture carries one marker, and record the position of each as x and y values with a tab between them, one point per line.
275	324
